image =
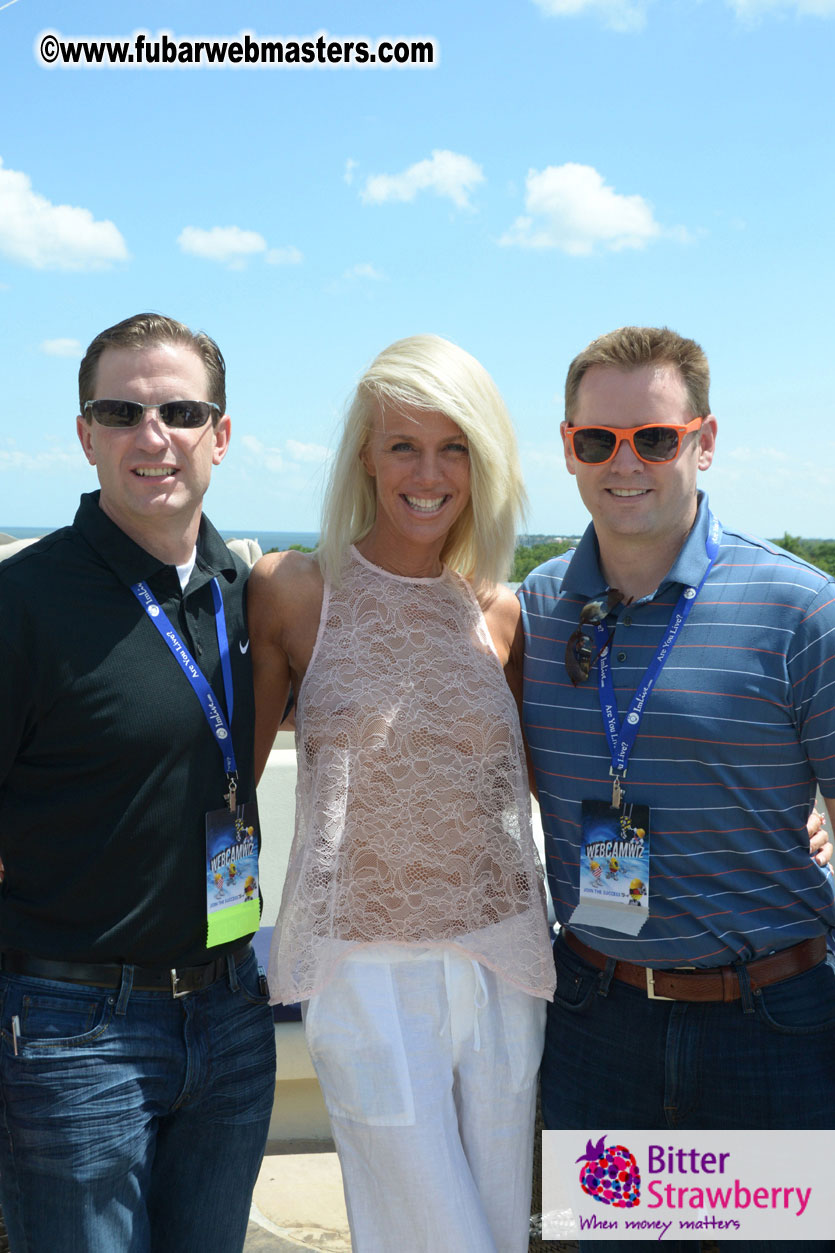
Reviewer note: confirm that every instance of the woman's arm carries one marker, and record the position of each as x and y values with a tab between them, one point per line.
819	843
284	603
270	662
503	616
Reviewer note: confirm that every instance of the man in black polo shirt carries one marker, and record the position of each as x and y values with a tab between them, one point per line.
136	1043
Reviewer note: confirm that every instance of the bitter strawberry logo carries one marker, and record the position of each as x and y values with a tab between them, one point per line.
610	1175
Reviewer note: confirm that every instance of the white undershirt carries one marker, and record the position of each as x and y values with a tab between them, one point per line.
184	571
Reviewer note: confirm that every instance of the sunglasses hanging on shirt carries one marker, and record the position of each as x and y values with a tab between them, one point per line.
579	649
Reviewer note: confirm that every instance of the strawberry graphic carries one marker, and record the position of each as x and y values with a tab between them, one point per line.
610	1175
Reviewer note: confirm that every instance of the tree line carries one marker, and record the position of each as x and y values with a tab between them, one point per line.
820	552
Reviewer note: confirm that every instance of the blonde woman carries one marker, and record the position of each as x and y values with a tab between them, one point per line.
412	922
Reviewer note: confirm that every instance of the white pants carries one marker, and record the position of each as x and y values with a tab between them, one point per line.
428	1065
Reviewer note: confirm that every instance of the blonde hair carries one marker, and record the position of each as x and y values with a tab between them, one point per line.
633	346
430	373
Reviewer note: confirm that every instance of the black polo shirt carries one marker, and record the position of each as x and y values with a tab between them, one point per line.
107	764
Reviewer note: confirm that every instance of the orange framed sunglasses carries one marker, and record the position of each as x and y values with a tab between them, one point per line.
653	443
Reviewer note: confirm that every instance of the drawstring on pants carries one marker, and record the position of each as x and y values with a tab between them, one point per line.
480	996
480	999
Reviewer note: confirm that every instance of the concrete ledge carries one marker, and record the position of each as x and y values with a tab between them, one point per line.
299	1111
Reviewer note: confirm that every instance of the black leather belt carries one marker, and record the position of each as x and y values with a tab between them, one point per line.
177	982
712	983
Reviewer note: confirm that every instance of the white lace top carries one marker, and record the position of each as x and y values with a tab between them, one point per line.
412	805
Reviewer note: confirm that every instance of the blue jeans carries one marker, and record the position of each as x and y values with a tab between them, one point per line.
615	1058
132	1121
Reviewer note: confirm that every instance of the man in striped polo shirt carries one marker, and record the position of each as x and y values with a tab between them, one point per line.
678	726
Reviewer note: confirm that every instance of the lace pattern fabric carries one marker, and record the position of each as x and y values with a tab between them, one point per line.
412	807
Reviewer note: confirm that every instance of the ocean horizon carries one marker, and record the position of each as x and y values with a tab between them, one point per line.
267	539
309	539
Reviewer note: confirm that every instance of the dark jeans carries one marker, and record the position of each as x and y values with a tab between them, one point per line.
613	1057
131	1121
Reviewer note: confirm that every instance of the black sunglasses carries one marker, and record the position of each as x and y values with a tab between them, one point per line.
179	414
579	649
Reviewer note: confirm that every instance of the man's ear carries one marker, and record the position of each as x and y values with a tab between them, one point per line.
222	434
84	430
566	448
707	441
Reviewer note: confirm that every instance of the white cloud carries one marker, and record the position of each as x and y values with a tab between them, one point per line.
316	453
445	173
778	474
769	490
50	459
292	457
50	236
233	247
284	256
773	465
364	270
228	245
270	458
618	14
570	207
350	166
752	9
548	457
61	348
630	15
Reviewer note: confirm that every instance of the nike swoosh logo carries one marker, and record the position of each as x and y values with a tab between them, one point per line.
243	647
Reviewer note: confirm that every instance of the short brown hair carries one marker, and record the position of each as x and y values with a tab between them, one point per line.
633	346
144	330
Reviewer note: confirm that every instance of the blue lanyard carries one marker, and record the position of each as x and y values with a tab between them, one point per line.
622	737
209	703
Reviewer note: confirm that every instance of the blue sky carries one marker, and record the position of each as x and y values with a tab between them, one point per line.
566	167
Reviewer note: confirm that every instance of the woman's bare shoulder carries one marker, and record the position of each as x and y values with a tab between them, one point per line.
501	613
500	606
284	585
287	569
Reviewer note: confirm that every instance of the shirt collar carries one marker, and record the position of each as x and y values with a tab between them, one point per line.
584	578
692	561
132	563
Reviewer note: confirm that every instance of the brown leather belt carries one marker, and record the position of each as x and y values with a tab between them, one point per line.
715	983
176	982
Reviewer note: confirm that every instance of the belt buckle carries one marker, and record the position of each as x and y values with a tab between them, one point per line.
652	995
174	981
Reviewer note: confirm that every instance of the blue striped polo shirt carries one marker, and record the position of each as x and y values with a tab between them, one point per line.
739	726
